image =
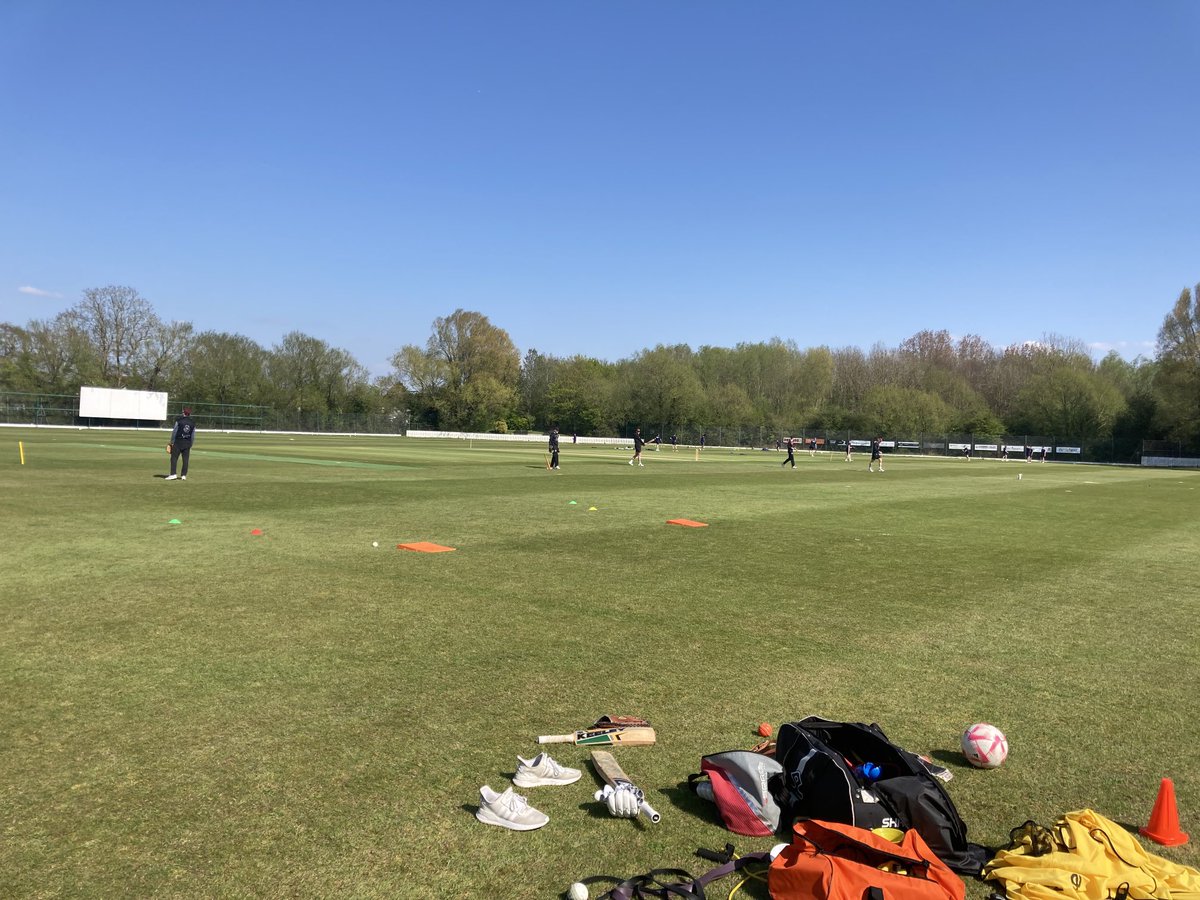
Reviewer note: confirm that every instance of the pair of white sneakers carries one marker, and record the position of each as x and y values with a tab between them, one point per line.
510	809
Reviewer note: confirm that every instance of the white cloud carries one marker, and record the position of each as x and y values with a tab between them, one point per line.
37	292
1127	349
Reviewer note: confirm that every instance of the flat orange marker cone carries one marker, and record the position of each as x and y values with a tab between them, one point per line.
256	531
1164	819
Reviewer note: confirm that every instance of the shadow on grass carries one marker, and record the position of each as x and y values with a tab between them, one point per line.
951	759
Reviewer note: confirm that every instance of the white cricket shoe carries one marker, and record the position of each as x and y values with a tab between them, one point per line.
543	770
183	478
508	810
170	478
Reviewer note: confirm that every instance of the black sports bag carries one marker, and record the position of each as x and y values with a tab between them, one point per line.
819	781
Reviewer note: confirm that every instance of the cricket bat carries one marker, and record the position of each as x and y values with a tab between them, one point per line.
608	736
616	780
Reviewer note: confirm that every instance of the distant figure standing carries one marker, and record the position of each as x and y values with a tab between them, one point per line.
657	442
180	444
812	446
1003	451
967	452
876	454
791	457
849	451
574	437
638	443
674	443
554	448
1028	453
1044	449
702	441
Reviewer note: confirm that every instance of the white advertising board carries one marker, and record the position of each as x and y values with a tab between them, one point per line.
106	403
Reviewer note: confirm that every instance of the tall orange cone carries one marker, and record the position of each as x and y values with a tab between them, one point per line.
1164	819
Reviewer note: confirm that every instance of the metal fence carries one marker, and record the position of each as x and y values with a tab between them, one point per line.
63	409
981	446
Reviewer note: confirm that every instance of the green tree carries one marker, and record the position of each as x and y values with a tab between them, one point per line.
57	356
923	356
894	410
663	388
1136	422
310	376
121	327
581	398
851	378
1177	380
220	367
730	406
1070	402
538	372
468	371
15	367
421	377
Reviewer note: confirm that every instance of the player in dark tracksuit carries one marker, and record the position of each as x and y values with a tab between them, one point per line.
638	443
876	455
554	448
791	449
180	444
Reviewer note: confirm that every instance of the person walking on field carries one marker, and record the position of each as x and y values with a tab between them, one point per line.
791	449
554	448
812	446
849	455
638	443
876	454
180	444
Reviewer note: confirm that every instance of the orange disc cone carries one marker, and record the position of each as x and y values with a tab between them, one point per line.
1164	819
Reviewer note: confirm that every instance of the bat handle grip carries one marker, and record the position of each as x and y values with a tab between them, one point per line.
556	738
650	812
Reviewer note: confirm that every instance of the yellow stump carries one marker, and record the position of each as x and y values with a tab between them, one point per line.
21	447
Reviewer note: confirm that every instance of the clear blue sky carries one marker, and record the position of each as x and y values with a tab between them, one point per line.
600	177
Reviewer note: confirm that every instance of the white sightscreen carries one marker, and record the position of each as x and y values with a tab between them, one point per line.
106	403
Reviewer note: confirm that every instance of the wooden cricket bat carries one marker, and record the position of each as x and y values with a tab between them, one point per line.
614	776
609	736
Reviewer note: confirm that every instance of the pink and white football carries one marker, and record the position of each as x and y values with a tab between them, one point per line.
984	745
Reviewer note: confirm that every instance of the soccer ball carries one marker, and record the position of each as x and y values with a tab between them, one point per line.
984	745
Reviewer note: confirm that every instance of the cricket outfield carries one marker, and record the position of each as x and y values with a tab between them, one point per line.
191	709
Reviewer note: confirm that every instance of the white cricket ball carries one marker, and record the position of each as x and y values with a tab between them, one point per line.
374	543
578	891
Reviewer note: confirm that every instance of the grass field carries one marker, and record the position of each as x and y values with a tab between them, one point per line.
192	710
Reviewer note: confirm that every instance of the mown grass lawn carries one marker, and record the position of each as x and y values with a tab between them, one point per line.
192	710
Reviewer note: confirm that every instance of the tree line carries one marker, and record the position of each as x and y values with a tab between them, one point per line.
468	375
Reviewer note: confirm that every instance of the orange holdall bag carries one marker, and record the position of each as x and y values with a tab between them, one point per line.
832	861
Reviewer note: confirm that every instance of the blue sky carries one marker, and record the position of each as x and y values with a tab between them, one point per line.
602	177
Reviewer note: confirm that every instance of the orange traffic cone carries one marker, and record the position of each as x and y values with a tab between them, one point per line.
1164	819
